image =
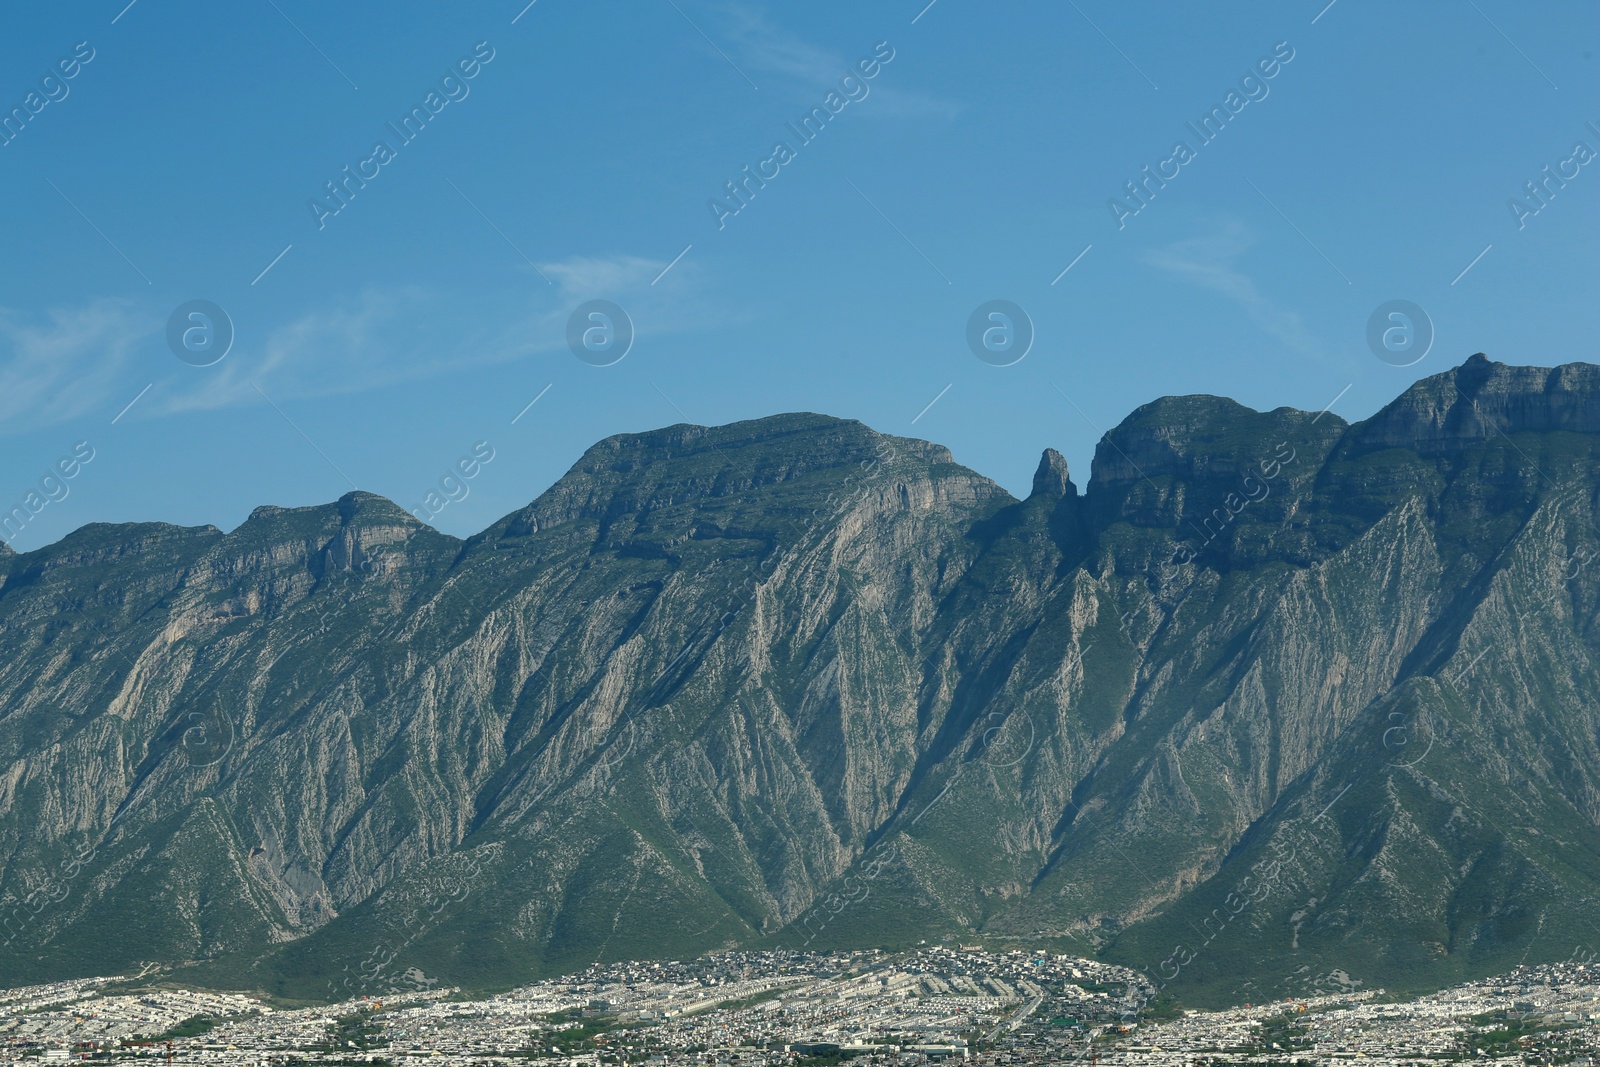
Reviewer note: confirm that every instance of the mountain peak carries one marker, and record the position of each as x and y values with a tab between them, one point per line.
637	474
1482	398
1052	479
357	507
1198	436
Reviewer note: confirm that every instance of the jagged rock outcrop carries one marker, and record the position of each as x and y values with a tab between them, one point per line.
1052	478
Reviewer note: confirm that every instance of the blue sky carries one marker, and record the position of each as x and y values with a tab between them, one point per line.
580	161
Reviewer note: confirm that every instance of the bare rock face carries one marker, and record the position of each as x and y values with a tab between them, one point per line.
1275	697
1482	398
1052	480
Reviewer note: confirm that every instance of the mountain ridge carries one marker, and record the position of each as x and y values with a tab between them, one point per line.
1417	408
791	681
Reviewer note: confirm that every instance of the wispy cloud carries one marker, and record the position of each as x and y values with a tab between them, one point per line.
67	364
375	339
676	303
1209	262
776	50
81	361
587	277
802	70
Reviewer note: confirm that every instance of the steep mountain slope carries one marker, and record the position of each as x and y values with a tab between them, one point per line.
1276	703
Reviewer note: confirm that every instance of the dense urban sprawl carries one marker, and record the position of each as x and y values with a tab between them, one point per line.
800	1009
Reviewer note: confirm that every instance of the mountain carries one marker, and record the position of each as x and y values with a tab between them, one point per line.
1275	704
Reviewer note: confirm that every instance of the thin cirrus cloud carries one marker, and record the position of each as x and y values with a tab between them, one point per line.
1210	262
417	334
803	70
377	338
80	361
661	296
587	277
67	365
385	337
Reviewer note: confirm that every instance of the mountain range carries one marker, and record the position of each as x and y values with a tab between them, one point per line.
1275	704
